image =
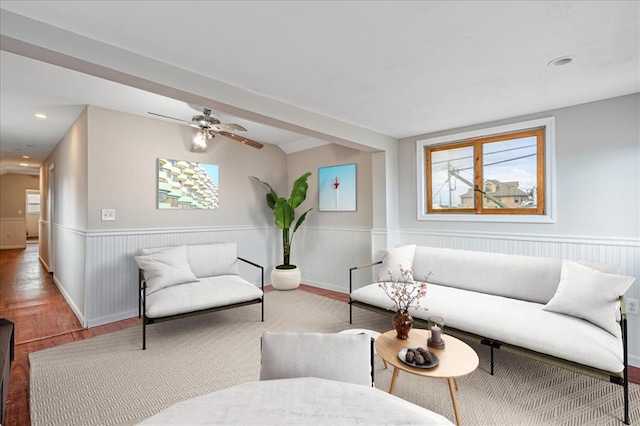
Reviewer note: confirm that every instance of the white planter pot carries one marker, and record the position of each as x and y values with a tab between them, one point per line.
285	279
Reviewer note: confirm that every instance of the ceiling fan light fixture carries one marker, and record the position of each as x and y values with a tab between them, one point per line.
200	140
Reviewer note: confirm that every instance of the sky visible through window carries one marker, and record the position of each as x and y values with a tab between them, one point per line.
505	161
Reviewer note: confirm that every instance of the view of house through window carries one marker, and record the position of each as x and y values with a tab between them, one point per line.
501	174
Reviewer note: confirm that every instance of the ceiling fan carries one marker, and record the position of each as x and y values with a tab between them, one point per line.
210	127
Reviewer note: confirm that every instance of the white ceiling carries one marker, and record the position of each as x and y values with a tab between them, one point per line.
394	68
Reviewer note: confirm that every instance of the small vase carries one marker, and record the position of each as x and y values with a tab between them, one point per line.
403	323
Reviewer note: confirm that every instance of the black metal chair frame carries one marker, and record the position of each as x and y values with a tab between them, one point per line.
142	303
621	379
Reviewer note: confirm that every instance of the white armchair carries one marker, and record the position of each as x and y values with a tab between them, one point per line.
341	357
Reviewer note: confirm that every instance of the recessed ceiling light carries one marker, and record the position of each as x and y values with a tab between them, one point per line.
562	60
24	164
26	157
40	115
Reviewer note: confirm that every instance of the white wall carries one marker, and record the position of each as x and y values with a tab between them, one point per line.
598	193
69	224
597	168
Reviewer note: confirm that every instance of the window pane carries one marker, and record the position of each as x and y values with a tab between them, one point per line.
33	203
510	174
451	178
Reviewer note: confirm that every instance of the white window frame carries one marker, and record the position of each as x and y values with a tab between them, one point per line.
549	164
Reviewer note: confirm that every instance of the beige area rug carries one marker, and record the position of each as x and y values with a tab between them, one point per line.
109	380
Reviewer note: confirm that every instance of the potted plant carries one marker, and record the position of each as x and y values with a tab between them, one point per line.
287	276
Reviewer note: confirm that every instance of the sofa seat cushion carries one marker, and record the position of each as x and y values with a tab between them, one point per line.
515	322
210	292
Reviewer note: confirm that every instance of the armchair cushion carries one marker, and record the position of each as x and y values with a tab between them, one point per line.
332	356
211	260
166	267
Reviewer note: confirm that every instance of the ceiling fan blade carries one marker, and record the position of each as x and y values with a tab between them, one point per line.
230	127
242	139
166	116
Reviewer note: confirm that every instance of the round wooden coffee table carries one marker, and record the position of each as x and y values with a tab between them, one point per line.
456	359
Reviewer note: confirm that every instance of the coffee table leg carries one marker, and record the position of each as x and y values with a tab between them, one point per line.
393	379
452	391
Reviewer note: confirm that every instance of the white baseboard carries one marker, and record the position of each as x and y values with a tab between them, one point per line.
634	361
325	286
13	247
71	303
112	318
46	266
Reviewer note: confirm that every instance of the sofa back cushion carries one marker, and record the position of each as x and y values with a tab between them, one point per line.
534	279
211	260
165	267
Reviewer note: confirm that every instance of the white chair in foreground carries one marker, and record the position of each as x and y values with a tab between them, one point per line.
341	357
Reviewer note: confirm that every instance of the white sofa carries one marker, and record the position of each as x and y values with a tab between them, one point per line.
565	313
185	280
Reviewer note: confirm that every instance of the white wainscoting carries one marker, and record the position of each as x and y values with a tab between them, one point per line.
43	242
112	274
324	255
13	232
69	273
622	252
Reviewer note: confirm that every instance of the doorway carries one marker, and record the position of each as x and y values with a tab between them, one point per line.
32	210
51	255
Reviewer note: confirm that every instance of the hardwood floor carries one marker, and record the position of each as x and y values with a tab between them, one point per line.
30	298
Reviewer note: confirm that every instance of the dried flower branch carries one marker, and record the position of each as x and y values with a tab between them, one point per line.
404	292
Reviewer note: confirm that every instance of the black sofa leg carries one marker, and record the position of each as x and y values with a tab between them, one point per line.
492	360
350	313
144	334
626	402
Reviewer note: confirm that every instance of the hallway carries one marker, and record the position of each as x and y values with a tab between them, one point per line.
43	319
30	298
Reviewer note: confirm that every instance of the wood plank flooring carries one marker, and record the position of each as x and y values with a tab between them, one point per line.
30	298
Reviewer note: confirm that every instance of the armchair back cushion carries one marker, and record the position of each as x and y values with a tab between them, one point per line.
332	356
212	260
165	267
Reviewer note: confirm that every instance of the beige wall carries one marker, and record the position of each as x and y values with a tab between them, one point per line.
122	174
13	218
333	155
69	161
12	193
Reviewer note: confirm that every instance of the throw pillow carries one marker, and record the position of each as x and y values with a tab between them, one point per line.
395	261
589	294
165	268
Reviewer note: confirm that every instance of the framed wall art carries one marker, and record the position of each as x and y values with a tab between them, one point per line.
337	188
187	185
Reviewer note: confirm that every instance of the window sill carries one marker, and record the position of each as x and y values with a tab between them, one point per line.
505	218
